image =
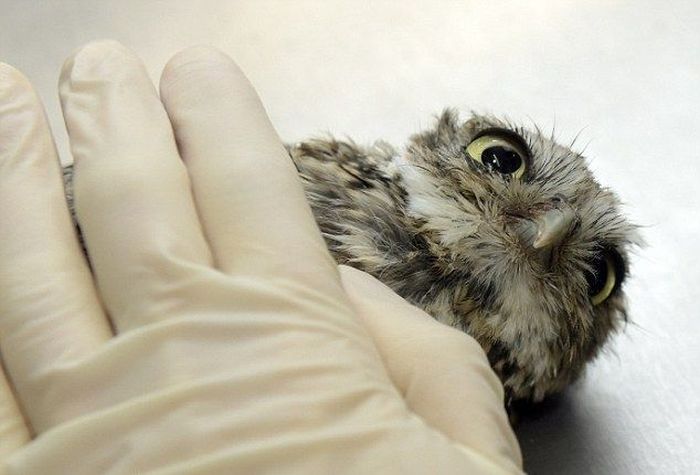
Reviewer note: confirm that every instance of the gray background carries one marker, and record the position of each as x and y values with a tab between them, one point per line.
626	73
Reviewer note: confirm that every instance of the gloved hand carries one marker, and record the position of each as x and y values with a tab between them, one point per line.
213	332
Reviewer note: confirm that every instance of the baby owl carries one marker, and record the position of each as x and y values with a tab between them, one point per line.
491	228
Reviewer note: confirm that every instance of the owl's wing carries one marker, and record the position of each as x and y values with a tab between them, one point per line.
358	201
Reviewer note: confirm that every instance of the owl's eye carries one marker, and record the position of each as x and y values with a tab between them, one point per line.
605	277
499	153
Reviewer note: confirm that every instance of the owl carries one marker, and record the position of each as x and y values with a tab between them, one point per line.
488	227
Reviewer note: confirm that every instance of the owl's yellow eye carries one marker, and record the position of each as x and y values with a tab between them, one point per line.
499	153
602	281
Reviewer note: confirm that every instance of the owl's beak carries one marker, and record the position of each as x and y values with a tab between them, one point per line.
553	225
548	225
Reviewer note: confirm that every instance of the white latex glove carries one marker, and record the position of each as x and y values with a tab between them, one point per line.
214	333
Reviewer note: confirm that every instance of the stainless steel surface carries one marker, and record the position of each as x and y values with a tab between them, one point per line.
627	72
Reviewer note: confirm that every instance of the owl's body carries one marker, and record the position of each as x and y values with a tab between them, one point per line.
511	257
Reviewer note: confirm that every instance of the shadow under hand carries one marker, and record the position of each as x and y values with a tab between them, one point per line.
565	435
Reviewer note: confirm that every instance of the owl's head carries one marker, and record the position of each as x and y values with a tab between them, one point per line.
539	247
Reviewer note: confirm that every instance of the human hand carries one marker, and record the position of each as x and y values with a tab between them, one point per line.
213	333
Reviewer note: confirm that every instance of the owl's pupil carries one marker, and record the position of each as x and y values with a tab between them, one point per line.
501	159
596	279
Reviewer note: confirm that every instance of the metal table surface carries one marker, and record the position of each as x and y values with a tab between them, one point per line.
626	72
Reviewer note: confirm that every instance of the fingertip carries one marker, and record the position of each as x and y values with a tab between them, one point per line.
21	113
13	83
200	65
95	60
194	54
104	86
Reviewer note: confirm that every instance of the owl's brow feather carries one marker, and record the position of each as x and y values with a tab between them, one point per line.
576	137
559	167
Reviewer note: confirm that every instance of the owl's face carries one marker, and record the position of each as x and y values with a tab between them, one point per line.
540	247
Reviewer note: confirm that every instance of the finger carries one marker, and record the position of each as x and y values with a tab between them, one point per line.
49	311
245	185
443	373
14	433
131	190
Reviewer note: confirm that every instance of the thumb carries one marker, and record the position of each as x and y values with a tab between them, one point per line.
442	373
